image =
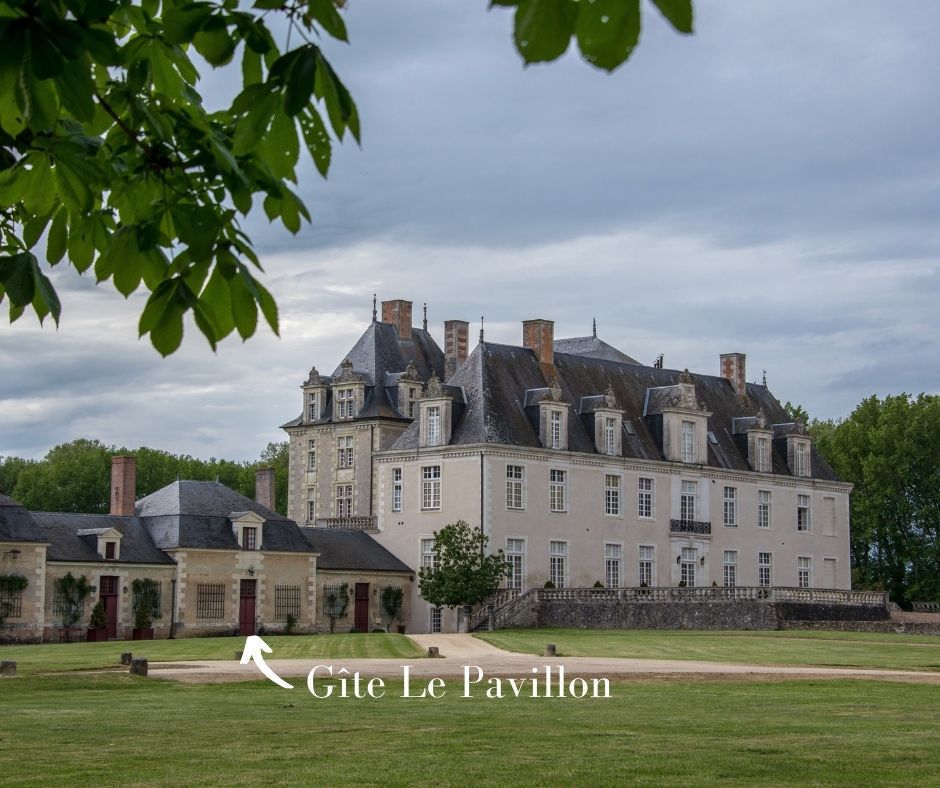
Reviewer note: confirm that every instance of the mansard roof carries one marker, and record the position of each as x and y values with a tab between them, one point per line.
16	523
592	347
348	549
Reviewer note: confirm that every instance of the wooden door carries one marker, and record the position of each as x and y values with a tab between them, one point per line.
362	607
109	595
246	607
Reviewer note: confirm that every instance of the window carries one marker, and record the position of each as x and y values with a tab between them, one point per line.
687	500
515	555
802	512
110	548
644	498
515	487
558	563
434	426
554	439
763	508
763	456
647	558
435	619
688	441
11	603
397	489
431	487
311	504
610	435
428	556
344	500
61	606
801	459
730	568
829	516
344	451
613	558
556	490
313	409
312	454
804	568
210	601
345	403
412	399
764	569
687	574
250	538
286	602
155	610
612	494
731	507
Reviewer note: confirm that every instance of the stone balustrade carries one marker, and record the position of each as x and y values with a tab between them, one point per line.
357	523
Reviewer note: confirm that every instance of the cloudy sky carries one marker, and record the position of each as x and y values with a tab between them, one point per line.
770	185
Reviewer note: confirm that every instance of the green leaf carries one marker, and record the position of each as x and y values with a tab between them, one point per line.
254	125
317	139
25	284
81	245
33	229
300	81
677	12
543	28
216	302
244	308
76	89
57	241
280	146
180	25
251	67
324	12
214	43
162	317
608	31
39	191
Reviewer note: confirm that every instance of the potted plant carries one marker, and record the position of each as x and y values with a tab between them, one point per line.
71	593
98	623
146	607
391	606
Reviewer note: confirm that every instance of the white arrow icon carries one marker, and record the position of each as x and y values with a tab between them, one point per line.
254	646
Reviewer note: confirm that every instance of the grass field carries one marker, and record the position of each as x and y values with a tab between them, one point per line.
826	649
114	729
88	656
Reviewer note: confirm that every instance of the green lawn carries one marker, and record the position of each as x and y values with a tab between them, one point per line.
832	649
111	729
86	656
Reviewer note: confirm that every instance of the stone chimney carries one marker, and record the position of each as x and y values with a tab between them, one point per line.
456	340
123	486
732	368
398	312
265	487
539	337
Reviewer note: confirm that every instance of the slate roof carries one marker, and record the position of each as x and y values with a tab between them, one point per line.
16	523
342	549
497	382
61	529
592	347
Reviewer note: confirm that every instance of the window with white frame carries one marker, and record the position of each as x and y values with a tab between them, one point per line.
647	557
802	513
763	508
313	406
434	425
688	441
311	504
557	489
612	494
644	498
730	568
344	451
515	556
397	489
249	538
345	403
436	619
804	569
558	563
431	487
687	495
687	567
428	556
763	456
731	507
764	569
344	500
613	565
610	435
801	459
515	487
311	454
554	429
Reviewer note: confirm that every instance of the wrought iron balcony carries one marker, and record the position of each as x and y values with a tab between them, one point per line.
690	527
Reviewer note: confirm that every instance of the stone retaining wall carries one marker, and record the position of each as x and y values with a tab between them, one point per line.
897	627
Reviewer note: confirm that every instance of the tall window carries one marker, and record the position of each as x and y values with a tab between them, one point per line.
644	497
397	489
557	487
687	500
431	487
428	556
687	575
764	569
210	601
11	602
345	403
801	463
312	454
612	494
688	441
515	555
802	512
344	499
731	507
311	504
763	456
436	619
344	451
555	429
412	400
730	568
645	567
313	407
515	487
558	563
286	602
763	508
613	561
804	570
829	516
434	426
250	538
610	435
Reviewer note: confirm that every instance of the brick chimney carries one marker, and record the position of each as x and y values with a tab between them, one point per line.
398	312
265	487
539	336
456	340
123	486
732	368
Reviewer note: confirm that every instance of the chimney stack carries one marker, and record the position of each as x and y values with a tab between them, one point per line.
265	488
456	341
539	337
398	312
732	368
123	486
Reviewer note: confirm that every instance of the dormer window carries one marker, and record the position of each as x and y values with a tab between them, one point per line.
801	464
246	526
110	551
610	435
798	455
762	455
688	441
250	538
555	429
434	426
412	399
345	403
313	406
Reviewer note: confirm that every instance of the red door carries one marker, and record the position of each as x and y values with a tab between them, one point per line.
362	607
246	607
109	595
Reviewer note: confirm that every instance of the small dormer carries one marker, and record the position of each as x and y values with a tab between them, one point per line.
107	541
348	393
246	526
685	423
410	390
435	412
608	425
553	419
314	389
759	442
799	451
